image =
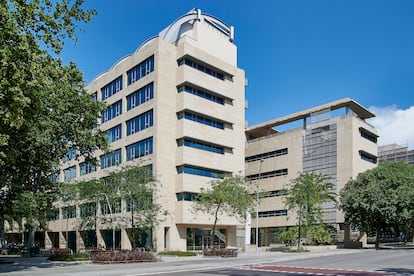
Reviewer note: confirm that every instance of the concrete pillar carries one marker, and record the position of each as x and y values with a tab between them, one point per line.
63	243
48	241
125	241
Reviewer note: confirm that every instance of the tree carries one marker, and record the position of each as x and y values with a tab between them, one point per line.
306	195
135	185
229	196
44	109
379	198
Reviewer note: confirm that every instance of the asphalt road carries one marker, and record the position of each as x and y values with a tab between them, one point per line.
337	262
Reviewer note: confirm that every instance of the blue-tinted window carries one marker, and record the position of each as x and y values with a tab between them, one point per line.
141	70
114	134
205	69
141	122
69	173
112	111
140	96
111	88
268	174
94	96
139	149
111	159
187	196
86	168
200	119
274	213
200	93
200	171
200	145
70	155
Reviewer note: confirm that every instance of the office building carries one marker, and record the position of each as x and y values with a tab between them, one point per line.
332	139
394	153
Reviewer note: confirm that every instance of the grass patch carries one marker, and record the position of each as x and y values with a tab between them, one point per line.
178	253
69	258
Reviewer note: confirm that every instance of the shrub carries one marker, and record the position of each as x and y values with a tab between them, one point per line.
122	256
69	258
290	236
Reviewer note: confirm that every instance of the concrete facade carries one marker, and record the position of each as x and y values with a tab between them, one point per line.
198	96
332	139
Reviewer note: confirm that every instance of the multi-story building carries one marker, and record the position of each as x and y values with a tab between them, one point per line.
177	104
332	139
394	153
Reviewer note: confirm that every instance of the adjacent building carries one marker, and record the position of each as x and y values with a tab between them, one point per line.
333	139
395	153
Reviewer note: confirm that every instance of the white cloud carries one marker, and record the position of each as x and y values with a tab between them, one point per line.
394	125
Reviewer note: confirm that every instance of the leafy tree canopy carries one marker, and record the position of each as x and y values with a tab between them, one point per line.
379	198
44	109
229	196
306	195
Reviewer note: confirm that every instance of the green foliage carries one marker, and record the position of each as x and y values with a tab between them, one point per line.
178	253
69	258
44	109
228	196
289	236
306	195
319	234
135	185
379	198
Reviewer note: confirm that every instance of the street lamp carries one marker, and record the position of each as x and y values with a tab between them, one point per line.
113	229
257	206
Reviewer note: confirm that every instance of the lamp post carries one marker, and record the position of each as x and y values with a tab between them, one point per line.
257	206
113	229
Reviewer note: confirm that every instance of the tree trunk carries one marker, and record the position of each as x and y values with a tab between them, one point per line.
299	226
214	227
377	238
30	242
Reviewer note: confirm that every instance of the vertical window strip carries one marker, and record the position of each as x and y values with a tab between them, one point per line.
141	70
111	159
141	122
111	112
139	149
111	88
86	168
140	96
114	133
69	173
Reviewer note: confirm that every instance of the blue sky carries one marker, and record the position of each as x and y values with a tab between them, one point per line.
296	54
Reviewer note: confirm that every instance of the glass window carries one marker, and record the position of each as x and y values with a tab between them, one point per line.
196	65
266	155
268	174
111	159
139	149
200	171
200	93
141	70
114	134
200	145
68	212
111	88
141	122
86	168
200	119
140	96
112	111
69	173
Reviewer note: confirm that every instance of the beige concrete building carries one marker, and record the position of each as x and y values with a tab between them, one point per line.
333	139
176	104
395	153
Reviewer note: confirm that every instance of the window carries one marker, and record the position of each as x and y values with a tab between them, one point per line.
112	111
205	69
141	122
70	155
273	193
141	70
368	157
94	96
200	119
111	159
114	134
142	204
115	207
53	215
139	149
69	212
111	88
69	173
200	93
368	135
187	142
87	210
268	174
275	213
187	196
140	96
86	168
266	155
200	171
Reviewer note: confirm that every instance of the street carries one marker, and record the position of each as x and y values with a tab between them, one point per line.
335	262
